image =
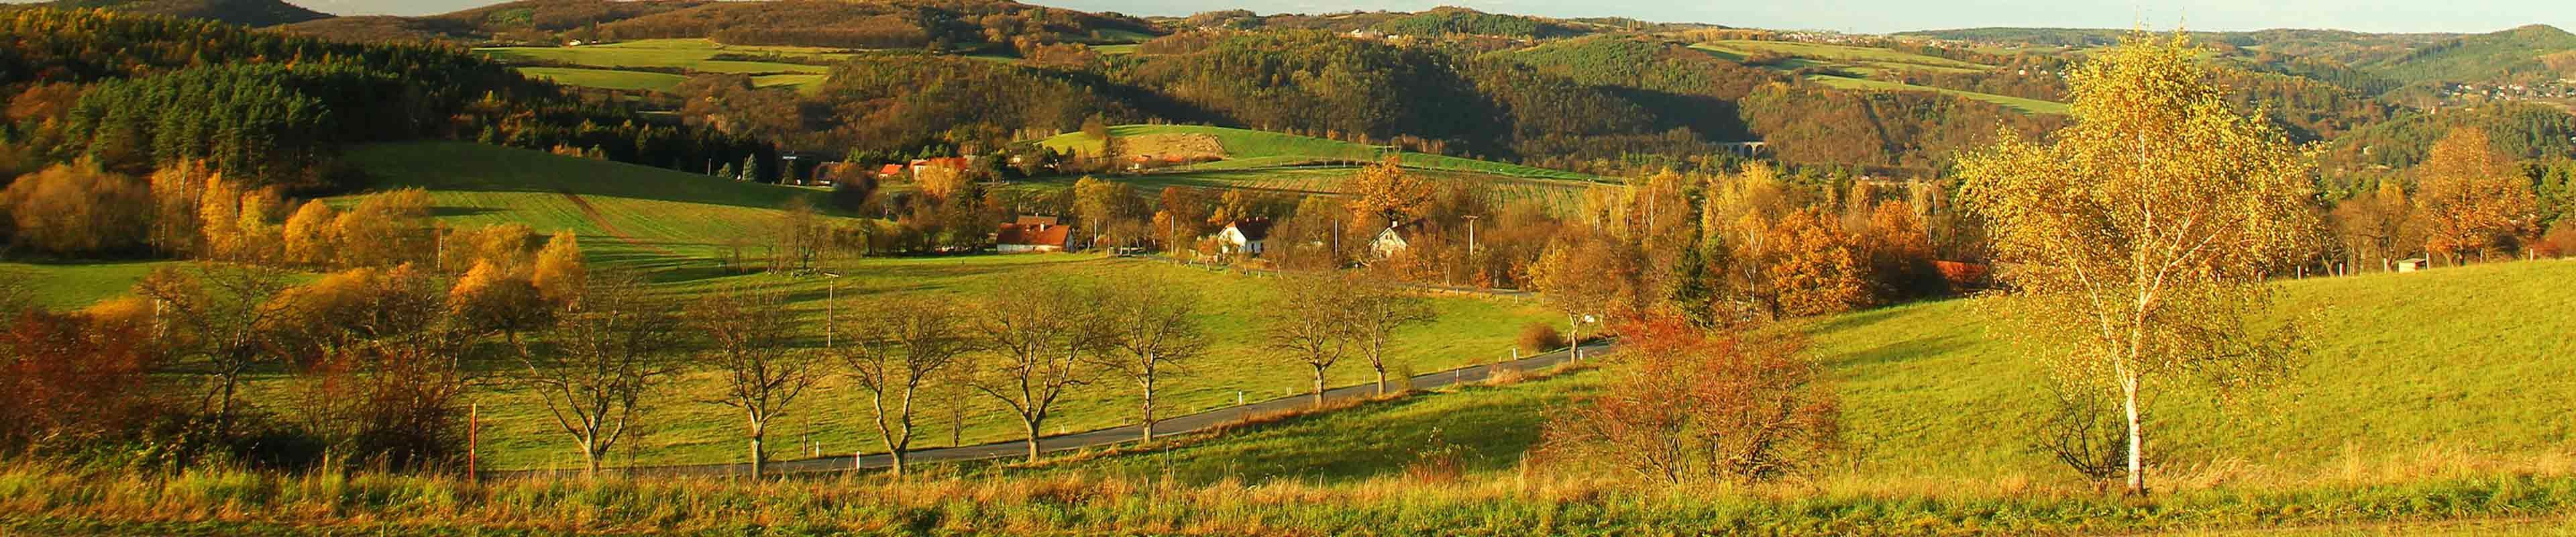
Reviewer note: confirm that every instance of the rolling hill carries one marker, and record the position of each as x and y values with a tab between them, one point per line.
2408	375
1229	158
243	12
675	229
2500	56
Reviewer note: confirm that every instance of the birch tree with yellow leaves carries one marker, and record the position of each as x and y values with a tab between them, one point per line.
2135	240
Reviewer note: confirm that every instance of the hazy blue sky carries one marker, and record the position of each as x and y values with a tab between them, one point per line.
1873	16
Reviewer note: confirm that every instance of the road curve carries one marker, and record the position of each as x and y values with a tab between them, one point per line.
1188	423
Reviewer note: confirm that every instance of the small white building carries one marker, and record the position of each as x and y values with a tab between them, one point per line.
1245	236
1390	241
2415	264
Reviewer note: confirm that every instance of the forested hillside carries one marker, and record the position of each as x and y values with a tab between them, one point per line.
255	13
131	93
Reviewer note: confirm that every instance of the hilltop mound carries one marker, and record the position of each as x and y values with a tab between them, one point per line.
242	12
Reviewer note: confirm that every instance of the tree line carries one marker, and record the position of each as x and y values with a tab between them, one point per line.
130	93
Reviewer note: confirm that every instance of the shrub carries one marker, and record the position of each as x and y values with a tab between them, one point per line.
1687	407
1541	337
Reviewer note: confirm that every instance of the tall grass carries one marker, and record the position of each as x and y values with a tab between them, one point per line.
1521	503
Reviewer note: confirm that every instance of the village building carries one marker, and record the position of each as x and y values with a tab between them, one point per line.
1249	237
1033	234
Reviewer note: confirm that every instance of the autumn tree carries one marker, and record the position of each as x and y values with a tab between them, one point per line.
1312	321
490	300
1101	205
67	210
748	336
558	273
176	189
1152	328
1683	406
1035	335
1378	309
390	228
1898	252
940	181
308	235
219	326
610	350
1587	277
2379	224
2140	231
1387	193
1812	266
897	350
72	378
2472	199
798	236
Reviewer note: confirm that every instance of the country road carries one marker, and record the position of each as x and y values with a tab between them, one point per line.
1183	424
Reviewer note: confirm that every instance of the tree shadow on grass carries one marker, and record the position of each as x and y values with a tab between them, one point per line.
1484	429
1852	321
1902	351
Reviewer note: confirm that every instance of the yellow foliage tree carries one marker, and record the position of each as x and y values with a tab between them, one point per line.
387	229
940	181
308	234
68	210
1385	192
2139	234
2472	198
219	216
177	191
559	274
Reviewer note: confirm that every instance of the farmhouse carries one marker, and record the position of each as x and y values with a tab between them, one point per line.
1391	240
1245	236
1030	234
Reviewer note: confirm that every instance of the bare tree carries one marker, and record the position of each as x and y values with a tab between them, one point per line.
1151	327
1311	320
219	314
609	351
748	332
1035	335
1379	308
897	348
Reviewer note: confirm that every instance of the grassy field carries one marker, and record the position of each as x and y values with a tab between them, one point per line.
612	66
1275	162
606	78
2452	373
1867	61
74	285
1869	57
2026	105
1245	149
672	227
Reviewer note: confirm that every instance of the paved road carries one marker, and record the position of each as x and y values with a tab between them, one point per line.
1102	437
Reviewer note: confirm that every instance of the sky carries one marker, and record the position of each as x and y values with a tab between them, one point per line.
1859	16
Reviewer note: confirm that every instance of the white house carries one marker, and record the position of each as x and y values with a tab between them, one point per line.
1245	236
1391	240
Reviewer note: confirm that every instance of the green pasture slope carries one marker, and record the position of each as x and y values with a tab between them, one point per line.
1868	61
2411	376
2023	104
672	228
615	65
1275	162
1252	149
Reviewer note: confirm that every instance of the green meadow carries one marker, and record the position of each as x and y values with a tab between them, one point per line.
616	65
673	228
